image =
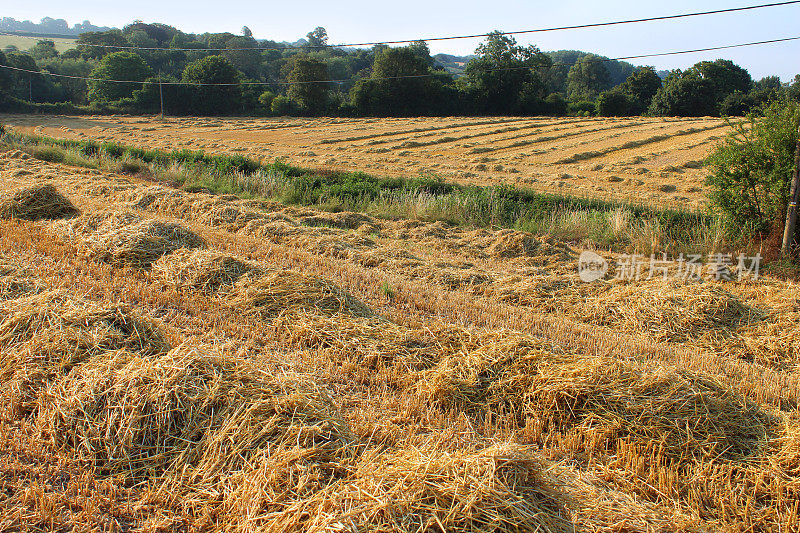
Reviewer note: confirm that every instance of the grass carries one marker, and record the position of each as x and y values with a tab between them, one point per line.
426	198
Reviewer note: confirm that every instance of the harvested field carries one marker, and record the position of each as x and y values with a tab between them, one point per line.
641	159
174	360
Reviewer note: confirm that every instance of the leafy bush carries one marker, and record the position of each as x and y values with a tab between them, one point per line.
614	103
751	171
583	108
283	105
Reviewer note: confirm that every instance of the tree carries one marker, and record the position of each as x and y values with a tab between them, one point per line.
161	34
632	97
75	89
736	104
176	97
44	49
587	78
283	105
32	87
751	171
266	99
308	87
725	77
108	39
767	90
402	83
141	39
213	86
641	87
117	66
555	105
794	88
496	79
685	94
244	54
615	103
317	38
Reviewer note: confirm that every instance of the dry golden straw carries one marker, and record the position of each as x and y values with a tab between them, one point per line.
279	291
38	202
203	270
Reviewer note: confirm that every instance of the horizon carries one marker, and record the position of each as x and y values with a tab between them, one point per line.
631	39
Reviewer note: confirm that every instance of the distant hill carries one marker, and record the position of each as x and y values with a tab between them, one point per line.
453	64
47	27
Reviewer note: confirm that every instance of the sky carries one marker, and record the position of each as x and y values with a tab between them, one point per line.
350	21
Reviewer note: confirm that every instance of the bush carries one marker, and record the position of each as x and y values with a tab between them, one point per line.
736	104
583	108
614	103
266	99
556	105
283	105
751	171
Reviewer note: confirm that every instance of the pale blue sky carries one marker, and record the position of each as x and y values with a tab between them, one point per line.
350	21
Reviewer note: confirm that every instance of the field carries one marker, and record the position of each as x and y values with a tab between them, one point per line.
643	160
186	361
25	43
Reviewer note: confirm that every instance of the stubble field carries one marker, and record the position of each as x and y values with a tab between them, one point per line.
195	362
643	160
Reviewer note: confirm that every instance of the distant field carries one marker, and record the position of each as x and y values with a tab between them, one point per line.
25	43
654	160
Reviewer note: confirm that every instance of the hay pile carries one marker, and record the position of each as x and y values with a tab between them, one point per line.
545	289
668	310
509	244
196	415
140	245
773	339
159	198
232	216
123	238
45	335
259	449
38	202
602	401
102	222
278	292
202	270
420	489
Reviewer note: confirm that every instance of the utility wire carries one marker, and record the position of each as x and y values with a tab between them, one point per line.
448	38
410	76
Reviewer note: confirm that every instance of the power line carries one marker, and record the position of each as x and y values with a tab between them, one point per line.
410	76
448	38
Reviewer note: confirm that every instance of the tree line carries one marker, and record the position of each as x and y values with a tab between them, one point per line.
309	78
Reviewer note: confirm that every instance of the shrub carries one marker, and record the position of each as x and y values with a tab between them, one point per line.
614	103
583	108
283	105
751	171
